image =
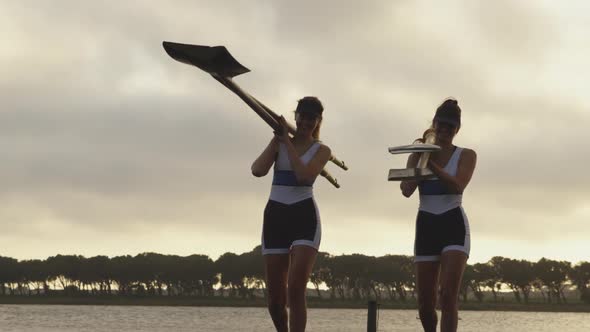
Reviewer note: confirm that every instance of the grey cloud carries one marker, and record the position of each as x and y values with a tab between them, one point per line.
100	126
512	29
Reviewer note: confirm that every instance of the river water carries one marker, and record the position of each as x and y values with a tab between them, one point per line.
50	318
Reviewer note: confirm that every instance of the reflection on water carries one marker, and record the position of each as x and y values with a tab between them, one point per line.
50	318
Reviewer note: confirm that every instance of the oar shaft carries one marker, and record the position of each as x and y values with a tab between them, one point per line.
423	162
230	84
330	179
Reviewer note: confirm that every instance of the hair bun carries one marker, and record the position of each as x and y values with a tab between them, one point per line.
452	101
449	112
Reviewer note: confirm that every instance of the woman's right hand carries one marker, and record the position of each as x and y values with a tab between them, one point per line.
282	135
408	187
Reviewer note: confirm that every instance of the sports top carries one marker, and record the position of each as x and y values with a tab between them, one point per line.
285	188
435	196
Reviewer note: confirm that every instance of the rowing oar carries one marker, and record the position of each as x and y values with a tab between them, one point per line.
420	172
219	63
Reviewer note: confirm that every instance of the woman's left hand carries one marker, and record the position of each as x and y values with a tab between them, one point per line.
434	167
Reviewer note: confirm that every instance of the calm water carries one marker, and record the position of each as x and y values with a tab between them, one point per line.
170	319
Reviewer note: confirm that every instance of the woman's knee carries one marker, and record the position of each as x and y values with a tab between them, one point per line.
448	300
427	300
277	296
296	289
276	305
426	308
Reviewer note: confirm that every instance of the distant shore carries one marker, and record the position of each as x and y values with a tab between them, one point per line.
260	302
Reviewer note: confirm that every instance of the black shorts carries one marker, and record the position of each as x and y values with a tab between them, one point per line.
290	225
437	233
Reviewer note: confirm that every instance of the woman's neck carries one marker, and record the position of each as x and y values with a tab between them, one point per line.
303	138
447	146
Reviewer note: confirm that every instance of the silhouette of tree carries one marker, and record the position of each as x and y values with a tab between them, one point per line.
517	274
33	273
553	275
66	270
98	271
232	274
9	274
396	272
353	277
122	273
580	277
253	270
320	271
339	278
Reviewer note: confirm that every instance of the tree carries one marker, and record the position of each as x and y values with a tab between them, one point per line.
34	272
232	273
320	271
490	277
122	273
66	270
9	274
473	280
553	275
397	275
580	277
517	274
98	271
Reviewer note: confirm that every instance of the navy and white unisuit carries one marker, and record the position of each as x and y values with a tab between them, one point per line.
441	224
291	216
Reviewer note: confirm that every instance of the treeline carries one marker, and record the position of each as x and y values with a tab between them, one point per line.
348	277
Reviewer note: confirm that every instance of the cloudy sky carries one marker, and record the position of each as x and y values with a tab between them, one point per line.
110	147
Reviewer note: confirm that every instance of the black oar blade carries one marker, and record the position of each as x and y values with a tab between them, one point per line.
214	60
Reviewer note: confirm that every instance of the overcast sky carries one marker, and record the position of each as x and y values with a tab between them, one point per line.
110	147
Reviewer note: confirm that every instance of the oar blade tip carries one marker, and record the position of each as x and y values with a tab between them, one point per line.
212	59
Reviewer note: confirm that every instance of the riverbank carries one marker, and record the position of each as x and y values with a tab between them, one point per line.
573	306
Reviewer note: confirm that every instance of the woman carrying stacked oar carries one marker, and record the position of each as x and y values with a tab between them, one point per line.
442	240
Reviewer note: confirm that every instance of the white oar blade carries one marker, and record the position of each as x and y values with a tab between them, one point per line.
409	174
414	148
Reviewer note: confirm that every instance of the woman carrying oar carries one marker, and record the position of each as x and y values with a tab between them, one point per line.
291	228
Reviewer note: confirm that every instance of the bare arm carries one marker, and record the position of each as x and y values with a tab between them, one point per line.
307	173
408	187
263	163
465	170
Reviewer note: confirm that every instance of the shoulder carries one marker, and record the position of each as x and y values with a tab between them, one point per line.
468	155
324	149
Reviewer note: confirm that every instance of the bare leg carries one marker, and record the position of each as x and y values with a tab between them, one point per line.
427	284
302	260
452	266
276	267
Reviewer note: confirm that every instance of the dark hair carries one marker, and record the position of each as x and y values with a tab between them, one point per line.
448	112
311	104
